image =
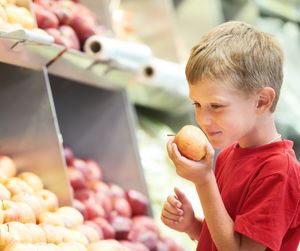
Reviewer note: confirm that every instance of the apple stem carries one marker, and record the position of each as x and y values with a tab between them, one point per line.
7	227
171	134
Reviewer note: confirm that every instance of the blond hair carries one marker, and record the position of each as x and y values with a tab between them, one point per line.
239	56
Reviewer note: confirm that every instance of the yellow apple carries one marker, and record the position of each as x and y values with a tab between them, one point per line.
72	212
25	187
32	180
16	246
50	199
3	14
68	220
191	142
79	246
66	246
44	247
7	236
90	232
27	214
31	200
20	15
7	165
3	3
52	235
22	230
10	210
51	218
80	237
16	186
1	217
4	192
67	236
37	234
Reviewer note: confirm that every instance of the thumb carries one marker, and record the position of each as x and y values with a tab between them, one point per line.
210	152
181	196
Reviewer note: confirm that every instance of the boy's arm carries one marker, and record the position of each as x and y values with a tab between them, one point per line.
220	224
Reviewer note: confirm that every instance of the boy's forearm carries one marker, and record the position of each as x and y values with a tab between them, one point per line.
218	220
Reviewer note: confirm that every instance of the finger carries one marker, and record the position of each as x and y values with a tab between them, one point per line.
168	222
181	196
169	147
210	152
173	200
170	216
172	209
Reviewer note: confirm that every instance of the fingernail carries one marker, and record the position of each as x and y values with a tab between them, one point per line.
180	213
180	219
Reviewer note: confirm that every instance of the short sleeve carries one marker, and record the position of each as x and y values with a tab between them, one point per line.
268	210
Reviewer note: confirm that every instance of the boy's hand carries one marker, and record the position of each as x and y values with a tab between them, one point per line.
178	213
198	172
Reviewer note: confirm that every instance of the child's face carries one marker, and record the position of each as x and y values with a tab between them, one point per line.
223	113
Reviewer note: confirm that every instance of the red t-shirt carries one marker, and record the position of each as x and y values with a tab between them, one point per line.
260	188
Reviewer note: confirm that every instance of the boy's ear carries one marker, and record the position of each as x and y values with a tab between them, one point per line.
264	99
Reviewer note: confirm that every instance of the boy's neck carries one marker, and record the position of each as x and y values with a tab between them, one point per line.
264	132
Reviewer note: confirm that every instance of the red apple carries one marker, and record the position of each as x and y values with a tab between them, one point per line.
77	163
161	246
68	153
144	221
94	170
77	179
105	201
138	201
11	211
45	18
58	38
171	243
94	209
68	32
122	206
145	236
108	230
63	12
108	245
116	191
97	186
96	227
77	204
136	246
8	166
122	225
50	199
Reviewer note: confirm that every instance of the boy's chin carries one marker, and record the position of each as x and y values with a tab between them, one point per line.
220	145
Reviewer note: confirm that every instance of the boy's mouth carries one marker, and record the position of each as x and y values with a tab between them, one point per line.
211	134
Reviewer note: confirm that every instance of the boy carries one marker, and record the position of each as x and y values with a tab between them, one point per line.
251	202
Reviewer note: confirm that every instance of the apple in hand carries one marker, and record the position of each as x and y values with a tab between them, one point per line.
191	142
93	169
51	233
11	211
50	198
138	201
8	166
32	180
27	214
37	234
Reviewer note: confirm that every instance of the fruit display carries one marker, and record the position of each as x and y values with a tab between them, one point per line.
69	22
103	216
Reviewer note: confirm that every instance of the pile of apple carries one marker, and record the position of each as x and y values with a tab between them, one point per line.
69	22
118	215
13	16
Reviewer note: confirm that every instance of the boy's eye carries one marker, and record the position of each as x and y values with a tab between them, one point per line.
196	104
215	106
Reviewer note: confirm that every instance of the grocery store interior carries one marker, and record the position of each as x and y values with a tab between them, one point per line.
116	100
